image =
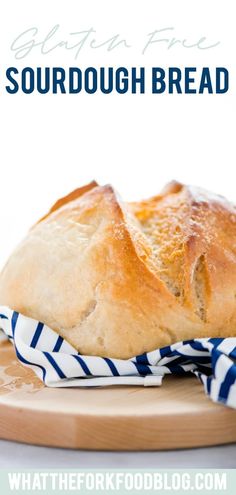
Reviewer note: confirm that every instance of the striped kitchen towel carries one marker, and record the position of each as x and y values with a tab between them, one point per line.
58	364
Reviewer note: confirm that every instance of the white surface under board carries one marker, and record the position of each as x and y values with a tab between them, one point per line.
16	455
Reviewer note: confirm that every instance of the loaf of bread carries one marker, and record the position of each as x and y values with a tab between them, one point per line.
118	279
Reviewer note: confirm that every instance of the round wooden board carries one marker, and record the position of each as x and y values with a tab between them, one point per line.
176	415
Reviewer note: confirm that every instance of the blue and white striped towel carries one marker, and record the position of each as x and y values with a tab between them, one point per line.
58	364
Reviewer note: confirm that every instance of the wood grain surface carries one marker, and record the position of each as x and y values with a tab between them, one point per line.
176	415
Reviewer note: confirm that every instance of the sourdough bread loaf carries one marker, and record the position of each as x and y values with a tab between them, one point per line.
119	279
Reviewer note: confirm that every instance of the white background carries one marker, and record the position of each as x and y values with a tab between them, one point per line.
50	144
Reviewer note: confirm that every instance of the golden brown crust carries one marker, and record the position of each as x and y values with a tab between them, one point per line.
118	280
70	197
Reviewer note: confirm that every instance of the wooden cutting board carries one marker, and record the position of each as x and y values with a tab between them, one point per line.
176	415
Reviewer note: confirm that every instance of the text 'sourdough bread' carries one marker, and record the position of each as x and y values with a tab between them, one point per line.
120	279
